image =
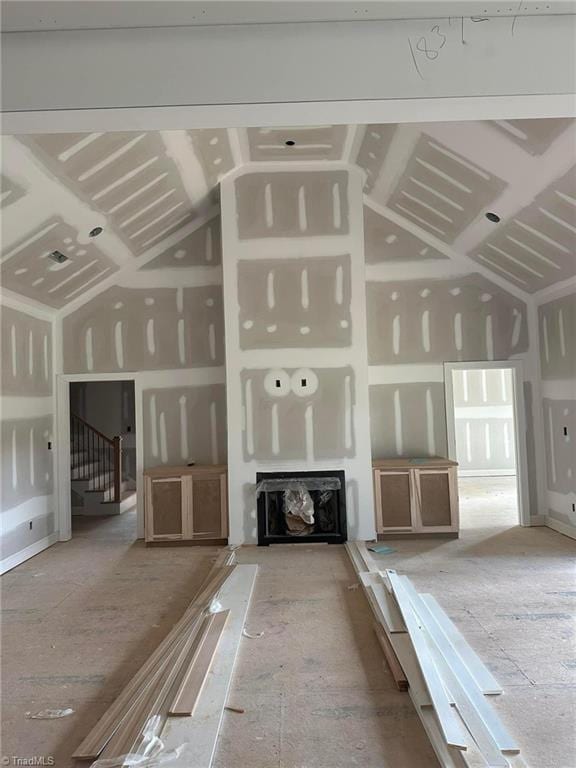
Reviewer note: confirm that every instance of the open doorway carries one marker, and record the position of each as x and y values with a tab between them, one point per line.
103	457
484	405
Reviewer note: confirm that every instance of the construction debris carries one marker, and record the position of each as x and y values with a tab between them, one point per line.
50	714
446	680
168	684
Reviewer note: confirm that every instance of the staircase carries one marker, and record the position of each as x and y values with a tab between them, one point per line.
97	487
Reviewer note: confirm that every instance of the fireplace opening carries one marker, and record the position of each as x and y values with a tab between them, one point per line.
301	507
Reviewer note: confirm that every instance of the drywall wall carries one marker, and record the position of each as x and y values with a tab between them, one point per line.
185	424
557	325
172	335
135	329
296	357
414	327
484	421
27	516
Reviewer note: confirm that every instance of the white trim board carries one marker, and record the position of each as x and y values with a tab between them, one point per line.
62	437
559	526
199	734
23	17
361	111
492	61
25	554
33	508
517	368
486	472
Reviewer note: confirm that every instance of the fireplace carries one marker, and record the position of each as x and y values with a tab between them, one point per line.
301	507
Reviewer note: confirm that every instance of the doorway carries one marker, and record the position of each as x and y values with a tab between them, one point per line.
485	416
103	457
99	488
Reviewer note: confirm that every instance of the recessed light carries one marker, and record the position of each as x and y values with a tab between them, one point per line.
96	231
290	143
58	257
493	217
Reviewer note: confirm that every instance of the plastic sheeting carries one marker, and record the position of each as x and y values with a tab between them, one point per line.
295	483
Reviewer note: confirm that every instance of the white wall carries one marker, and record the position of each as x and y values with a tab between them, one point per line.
557	325
288	218
27	509
484	421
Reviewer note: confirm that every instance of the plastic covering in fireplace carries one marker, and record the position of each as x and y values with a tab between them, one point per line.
327	488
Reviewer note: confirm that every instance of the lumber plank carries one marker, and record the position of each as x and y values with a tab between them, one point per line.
391	659
450	725
384	604
127	738
484	678
369	562
478	714
191	685
354	555
100	735
197	736
211	586
402	645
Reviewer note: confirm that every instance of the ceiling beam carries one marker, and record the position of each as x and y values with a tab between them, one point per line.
49	15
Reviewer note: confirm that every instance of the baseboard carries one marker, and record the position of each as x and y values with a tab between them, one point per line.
487	473
537	520
25	554
558	525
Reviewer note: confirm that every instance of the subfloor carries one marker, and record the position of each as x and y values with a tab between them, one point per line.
81	617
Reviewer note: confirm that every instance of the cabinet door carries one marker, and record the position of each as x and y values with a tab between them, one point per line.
209	514
435	499
164	501
394	499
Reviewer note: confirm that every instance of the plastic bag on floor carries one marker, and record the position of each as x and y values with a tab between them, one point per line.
152	752
49	714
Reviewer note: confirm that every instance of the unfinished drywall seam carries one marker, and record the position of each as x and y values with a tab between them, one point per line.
449	251
266	431
27	509
132	267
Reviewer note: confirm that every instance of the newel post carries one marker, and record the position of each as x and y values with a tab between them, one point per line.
117	468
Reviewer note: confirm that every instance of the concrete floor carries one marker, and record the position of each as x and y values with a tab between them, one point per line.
80	618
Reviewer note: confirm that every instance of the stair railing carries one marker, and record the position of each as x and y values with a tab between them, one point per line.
96	457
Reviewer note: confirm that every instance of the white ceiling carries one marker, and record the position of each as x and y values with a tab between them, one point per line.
427	190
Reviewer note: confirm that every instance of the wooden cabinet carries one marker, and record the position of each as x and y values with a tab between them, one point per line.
187	504
415	496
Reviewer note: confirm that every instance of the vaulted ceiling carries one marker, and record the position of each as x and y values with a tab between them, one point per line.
427	189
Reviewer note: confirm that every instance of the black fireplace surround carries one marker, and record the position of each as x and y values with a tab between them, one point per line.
328	491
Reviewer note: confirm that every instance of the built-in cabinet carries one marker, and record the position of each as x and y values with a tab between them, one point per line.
187	504
415	496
